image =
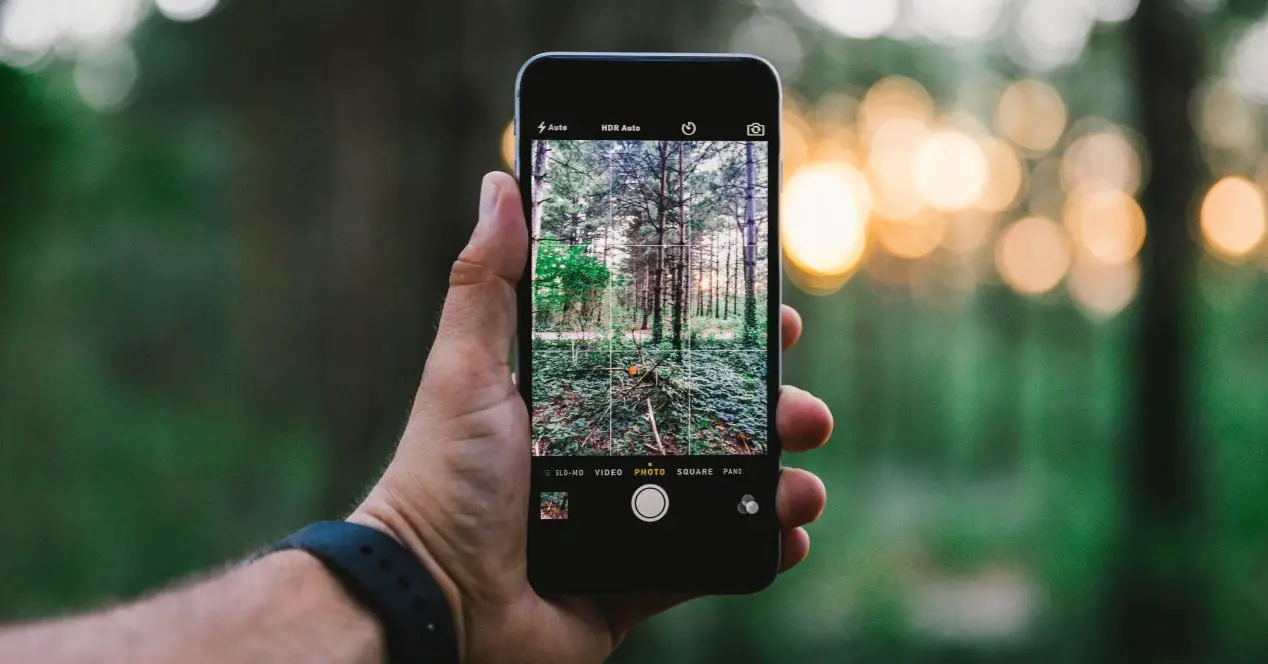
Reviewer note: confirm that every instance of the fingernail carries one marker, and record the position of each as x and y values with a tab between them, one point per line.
488	197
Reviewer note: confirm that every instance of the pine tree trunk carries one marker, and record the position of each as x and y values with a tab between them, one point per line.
657	285
539	179
717	280
680	260
701	297
750	245
646	303
706	284
726	280
540	153
607	238
713	278
701	302
735	275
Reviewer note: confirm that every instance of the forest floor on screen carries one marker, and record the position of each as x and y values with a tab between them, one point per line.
553	505
665	403
649	297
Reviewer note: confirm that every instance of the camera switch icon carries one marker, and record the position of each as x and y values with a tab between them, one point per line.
756	129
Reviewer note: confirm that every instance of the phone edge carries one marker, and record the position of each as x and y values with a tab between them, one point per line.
775	329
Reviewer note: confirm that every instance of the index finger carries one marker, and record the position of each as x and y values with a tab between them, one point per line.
789	326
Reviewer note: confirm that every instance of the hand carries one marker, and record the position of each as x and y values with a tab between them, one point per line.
456	492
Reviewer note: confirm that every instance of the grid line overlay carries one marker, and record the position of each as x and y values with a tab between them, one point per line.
691	424
690	353
607	242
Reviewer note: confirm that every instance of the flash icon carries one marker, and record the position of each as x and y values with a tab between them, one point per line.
541	127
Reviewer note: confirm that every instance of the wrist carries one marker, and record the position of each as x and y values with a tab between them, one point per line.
372	514
322	599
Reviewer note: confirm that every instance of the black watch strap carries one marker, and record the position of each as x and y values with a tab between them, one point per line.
391	582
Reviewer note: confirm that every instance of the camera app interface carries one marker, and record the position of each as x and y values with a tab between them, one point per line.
649	274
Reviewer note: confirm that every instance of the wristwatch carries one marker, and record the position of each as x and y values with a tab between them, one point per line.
389	581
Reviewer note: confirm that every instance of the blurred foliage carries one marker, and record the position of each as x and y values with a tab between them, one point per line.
216	299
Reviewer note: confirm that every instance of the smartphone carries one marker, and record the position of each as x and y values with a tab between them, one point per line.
648	347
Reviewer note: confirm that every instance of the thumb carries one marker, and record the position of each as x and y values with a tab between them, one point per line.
478	321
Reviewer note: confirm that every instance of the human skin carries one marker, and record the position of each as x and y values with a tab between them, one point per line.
455	494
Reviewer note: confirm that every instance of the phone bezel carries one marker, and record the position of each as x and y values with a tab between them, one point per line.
759	575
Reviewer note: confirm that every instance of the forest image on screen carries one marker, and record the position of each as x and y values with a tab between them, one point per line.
649	298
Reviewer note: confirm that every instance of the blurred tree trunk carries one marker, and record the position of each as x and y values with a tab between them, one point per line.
366	128
29	140
1157	597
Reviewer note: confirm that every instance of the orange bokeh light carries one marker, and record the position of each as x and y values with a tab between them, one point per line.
1232	217
1101	290
950	170
1032	115
1107	223
1033	255
1103	159
826	208
1006	177
910	238
894	97
508	145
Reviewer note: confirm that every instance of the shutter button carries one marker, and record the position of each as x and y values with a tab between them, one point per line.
650	502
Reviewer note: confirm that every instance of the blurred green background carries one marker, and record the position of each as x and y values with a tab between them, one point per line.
1026	236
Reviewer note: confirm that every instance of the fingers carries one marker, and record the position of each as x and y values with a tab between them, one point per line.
794	548
800	497
799	500
803	420
478	321
790	326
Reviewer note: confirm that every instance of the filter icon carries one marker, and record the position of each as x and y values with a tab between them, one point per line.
747	505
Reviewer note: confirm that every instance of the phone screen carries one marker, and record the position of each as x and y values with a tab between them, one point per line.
649	323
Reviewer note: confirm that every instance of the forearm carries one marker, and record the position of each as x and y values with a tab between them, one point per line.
282	608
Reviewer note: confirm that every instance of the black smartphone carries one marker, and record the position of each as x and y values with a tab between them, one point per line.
649	311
